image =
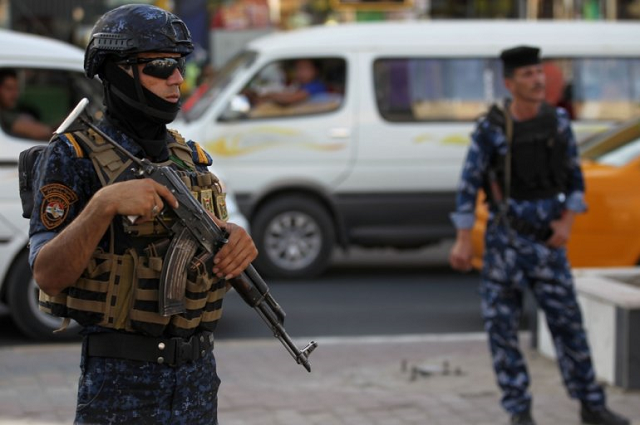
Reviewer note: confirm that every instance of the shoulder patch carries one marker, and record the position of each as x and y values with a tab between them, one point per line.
199	155
57	198
71	140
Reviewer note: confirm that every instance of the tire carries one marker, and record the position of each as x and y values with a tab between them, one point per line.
295	237
22	299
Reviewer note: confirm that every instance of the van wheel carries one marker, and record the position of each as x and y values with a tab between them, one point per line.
22	298
294	236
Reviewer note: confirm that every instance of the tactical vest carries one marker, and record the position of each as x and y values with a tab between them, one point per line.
119	287
539	161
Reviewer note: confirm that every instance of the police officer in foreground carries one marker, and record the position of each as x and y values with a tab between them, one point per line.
525	157
101	268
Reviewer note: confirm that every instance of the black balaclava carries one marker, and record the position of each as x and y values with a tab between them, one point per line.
136	111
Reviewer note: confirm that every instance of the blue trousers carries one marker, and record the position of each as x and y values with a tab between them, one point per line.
510	266
117	391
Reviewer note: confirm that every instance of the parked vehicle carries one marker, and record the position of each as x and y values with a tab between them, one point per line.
375	160
608	234
52	81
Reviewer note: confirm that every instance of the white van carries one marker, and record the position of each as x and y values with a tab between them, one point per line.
375	161
52	81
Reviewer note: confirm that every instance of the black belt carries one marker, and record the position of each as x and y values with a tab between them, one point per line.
524	227
170	351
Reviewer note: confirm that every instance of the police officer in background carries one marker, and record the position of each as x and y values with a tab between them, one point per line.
94	265
525	157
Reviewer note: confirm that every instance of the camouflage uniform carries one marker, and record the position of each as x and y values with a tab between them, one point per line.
138	365
513	262
182	395
118	390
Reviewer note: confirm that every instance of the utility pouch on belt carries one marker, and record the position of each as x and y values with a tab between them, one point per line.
26	169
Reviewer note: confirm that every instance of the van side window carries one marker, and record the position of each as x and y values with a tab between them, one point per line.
300	86
432	89
426	89
606	89
32	99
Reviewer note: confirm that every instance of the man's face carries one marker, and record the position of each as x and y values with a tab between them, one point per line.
527	84
9	93
167	89
305	71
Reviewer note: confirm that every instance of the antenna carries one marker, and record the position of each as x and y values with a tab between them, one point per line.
72	116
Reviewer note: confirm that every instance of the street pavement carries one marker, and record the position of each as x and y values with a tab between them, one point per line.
399	380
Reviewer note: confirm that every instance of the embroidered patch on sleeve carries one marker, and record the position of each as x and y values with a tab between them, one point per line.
55	204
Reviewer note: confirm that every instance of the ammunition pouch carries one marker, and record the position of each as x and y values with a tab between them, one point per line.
122	290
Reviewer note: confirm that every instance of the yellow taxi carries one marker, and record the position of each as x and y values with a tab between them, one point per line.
608	234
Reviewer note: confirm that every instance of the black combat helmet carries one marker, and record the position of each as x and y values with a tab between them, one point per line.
117	39
135	28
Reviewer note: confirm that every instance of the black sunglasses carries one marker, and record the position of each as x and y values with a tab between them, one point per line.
159	67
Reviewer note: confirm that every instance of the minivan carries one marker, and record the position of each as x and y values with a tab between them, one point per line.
375	161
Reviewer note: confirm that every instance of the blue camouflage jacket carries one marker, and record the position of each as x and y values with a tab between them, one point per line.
488	140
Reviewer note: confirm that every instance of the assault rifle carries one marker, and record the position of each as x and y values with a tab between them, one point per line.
194	229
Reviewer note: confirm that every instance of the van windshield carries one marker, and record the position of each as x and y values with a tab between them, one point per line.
207	92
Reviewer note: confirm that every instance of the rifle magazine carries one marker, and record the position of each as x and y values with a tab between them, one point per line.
173	279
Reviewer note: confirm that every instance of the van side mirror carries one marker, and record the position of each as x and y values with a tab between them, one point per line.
238	108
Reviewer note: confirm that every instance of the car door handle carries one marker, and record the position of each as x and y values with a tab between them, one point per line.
339	133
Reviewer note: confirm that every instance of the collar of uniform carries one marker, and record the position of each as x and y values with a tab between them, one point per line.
121	138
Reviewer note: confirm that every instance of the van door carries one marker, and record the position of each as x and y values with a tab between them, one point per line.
416	117
283	143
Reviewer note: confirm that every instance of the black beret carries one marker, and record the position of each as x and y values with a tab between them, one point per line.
516	57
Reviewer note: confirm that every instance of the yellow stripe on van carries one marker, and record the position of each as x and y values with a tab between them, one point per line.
75	145
268	137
